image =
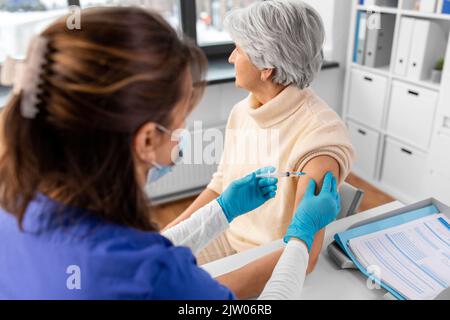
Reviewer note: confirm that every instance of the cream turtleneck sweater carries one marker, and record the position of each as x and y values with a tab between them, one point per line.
287	132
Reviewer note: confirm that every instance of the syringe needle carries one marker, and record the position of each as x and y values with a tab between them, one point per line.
281	175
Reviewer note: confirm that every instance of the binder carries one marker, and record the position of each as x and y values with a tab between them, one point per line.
360	39
404	46
340	251
381	3
428	45
379	42
446	7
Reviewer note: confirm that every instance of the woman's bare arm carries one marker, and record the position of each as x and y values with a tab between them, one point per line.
249	281
202	200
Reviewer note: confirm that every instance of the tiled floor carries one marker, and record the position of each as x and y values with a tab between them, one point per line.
372	198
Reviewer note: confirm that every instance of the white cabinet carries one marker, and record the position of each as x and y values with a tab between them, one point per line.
404	170
367	96
411	113
444	96
440	152
365	142
439	187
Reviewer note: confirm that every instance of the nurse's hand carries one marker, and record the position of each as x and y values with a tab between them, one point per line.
247	194
315	212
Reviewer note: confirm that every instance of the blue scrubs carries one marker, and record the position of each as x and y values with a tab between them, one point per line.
67	253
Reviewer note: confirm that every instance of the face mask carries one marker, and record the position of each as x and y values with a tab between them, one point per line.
158	171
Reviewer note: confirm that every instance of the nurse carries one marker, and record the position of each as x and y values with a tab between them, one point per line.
91	120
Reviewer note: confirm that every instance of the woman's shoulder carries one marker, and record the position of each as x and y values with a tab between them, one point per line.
320	112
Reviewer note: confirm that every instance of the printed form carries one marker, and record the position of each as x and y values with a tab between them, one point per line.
412	258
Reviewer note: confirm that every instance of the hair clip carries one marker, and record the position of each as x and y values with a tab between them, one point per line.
28	77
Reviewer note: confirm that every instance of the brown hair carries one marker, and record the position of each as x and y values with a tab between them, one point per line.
99	85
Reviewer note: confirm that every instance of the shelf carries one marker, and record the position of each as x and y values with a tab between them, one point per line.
378	9
384	133
406	142
383	71
356	121
418	14
405	12
422	83
389	72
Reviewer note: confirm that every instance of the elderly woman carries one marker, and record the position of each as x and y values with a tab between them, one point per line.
278	54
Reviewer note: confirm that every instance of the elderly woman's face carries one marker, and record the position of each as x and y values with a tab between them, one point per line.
247	74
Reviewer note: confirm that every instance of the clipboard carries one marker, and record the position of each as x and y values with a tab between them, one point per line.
342	255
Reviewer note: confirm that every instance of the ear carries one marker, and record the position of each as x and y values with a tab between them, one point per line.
266	74
145	143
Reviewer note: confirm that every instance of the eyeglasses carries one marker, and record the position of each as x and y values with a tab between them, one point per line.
174	134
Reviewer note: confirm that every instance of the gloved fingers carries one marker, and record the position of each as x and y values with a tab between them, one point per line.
246	179
266	170
338	199
311	189
268	189
327	182
334	185
270	195
265	182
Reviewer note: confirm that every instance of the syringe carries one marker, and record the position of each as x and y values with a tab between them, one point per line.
288	174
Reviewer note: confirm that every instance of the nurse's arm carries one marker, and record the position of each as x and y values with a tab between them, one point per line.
202	200
202	227
249	281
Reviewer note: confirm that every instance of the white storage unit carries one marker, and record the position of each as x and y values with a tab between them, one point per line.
367	95
366	142
440	155
404	169
439	161
438	187
411	113
400	149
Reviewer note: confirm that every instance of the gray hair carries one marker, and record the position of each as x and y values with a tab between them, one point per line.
284	35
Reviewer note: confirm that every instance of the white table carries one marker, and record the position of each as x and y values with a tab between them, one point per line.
327	281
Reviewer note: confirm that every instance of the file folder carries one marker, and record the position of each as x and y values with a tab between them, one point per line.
379	42
428	45
404	46
390	219
446	7
360	39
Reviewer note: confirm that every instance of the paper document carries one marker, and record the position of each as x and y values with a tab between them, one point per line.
412	258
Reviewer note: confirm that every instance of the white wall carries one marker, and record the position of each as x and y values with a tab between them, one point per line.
330	83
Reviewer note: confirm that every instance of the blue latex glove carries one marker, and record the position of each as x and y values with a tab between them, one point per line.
315	212
247	194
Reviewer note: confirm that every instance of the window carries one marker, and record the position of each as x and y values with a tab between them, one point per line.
326	9
21	19
169	9
210	17
200	19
